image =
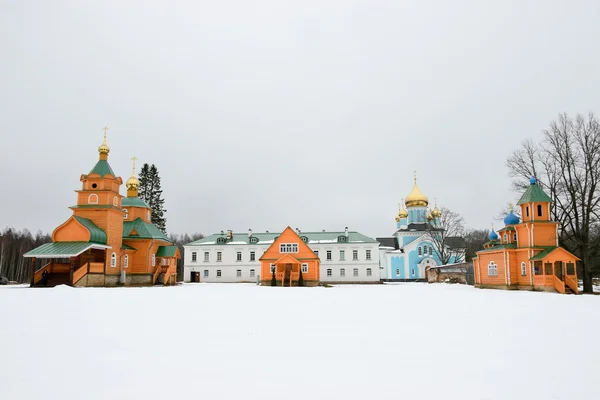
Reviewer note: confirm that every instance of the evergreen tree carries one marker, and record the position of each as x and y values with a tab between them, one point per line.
273	280
150	191
301	279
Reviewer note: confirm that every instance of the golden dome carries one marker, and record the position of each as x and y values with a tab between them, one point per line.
416	197
402	213
436	213
104	149
132	183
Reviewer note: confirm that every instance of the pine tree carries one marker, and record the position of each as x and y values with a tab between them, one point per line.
273	280
300	279
150	191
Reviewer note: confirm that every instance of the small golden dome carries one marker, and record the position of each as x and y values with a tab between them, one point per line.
402	213
104	149
416	197
132	183
436	213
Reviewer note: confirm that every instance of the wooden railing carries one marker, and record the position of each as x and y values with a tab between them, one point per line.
157	273
558	284
38	274
80	273
571	282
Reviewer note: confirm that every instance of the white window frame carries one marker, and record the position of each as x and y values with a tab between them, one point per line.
206	273
424	250
342	271
153	260
206	256
369	272
329	271
492	269
354	255
126	261
304	268
238	256
328	255
252	273
95	196
505	238
115	201
288	247
355	272
113	260
238	273
219	274
420	250
523	269
219	256
368	255
194	256
252	256
342	255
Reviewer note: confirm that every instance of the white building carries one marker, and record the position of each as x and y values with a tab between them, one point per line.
346	257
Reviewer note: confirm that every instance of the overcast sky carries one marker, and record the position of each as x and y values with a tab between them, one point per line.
263	114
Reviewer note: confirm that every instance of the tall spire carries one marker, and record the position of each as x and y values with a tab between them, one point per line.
104	149
132	183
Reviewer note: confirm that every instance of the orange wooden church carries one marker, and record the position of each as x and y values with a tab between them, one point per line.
525	254
287	258
109	239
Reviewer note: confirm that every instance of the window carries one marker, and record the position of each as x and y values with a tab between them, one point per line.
492	269
420	251
115	201
570	269
218	273
369	272
113	260
523	269
341	239
412	271
548	269
424	250
430	250
252	273
328	271
253	240
125	213
206	256
288	248
194	256
238	273
343	272
505	238
328	255
527	211
273	268
148	216
219	256
304	268
206	273
354	255
126	261
316	253
537	268
515	237
397	271
220	240
93	198
539	208
239	256
153	260
355	272
368	254
252	256
342	255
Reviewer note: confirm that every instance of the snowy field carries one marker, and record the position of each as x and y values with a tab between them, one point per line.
236	341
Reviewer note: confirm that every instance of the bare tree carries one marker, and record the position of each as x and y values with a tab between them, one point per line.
446	236
475	240
566	164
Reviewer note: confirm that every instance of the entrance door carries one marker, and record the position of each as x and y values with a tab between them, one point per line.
287	274
195	276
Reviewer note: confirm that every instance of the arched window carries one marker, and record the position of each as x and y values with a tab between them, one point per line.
153	260
505	238
343	272
125	213
148	216
116	201
93	198
430	250
420	251
539	208
425	250
126	262
113	260
369	272
523	269
527	211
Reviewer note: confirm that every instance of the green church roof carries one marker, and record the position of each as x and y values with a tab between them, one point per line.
62	249
102	168
133	202
144	230
534	194
166	251
97	235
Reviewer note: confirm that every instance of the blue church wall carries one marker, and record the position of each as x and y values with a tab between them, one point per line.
413	260
397	263
405	240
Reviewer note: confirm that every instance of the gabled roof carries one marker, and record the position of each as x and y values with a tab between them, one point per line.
97	235
549	250
133	202
102	168
269	237
534	194
62	249
144	230
419	228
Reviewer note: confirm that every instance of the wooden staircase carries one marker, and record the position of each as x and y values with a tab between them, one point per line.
169	273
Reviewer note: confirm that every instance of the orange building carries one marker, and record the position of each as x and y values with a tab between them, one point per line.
525	254
288	258
109	239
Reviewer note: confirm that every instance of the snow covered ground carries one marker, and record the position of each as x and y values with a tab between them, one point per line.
236	341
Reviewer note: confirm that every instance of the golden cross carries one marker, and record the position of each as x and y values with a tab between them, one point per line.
415	172
133	159
105	128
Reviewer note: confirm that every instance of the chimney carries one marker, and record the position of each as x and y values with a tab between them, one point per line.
346	232
267	231
249	232
222	231
229	233
297	230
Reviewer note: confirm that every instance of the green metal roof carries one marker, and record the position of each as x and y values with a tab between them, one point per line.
127	247
166	251
507	228
499	247
543	254
102	168
534	194
134	202
144	230
97	235
268	238
63	249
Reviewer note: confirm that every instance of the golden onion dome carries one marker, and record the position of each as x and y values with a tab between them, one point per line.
402	213
436	213
104	149
416	197
132	183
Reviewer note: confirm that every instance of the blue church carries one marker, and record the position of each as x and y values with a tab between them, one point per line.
408	254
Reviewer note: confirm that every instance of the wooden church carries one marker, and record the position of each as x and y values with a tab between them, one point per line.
109	240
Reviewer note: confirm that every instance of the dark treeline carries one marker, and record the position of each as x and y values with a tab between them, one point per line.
13	244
